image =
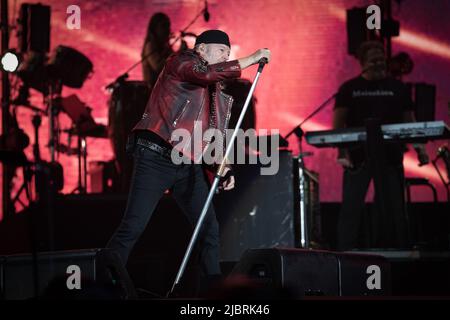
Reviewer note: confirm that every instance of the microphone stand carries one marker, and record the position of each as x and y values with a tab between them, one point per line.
217	177
444	154
298	130
304	239
125	75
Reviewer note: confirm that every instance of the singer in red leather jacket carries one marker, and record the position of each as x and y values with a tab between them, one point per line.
183	95
187	90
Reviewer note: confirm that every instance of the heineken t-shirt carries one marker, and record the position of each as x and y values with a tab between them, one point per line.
385	99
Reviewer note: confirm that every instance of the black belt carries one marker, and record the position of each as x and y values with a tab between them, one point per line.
165	152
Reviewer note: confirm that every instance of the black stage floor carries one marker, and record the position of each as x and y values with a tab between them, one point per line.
88	221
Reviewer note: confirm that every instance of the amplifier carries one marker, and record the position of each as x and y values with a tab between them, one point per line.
301	273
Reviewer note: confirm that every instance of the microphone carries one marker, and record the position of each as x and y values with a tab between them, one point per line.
262	62
206	12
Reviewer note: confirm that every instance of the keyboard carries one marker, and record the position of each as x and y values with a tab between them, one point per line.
398	132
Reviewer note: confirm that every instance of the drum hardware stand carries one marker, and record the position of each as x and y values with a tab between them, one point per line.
28	172
444	154
304	240
54	91
82	165
22	100
26	186
217	177
83	126
5	103
33	204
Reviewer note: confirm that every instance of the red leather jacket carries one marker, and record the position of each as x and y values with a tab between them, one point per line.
181	95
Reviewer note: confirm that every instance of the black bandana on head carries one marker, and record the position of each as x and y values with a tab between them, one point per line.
213	36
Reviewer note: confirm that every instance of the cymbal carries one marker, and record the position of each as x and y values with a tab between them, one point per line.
99	131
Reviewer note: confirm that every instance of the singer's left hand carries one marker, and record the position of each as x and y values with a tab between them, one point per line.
228	183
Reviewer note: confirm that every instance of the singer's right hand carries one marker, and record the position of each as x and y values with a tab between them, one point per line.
254	58
261	53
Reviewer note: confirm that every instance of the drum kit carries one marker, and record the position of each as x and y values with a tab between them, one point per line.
68	67
65	66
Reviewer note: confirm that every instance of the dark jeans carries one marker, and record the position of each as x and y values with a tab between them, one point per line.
152	175
391	223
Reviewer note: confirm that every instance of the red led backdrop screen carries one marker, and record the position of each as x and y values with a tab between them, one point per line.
309	61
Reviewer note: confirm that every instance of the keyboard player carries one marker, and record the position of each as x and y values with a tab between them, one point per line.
373	94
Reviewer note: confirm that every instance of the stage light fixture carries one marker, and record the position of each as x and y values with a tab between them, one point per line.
10	62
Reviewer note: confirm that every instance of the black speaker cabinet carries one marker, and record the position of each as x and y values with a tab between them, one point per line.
80	274
259	212
34	27
425	101
423	273
357	31
316	273
363	275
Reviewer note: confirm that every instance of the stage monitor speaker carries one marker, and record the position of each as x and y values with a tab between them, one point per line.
259	212
357	31
78	274
34	28
363	275
316	273
423	273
